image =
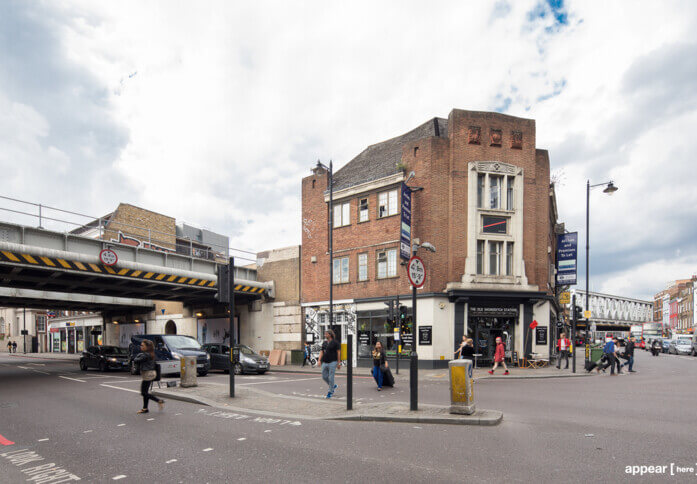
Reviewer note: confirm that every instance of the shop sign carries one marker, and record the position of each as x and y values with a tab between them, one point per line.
408	340
425	335
405	226
541	335
499	311
567	246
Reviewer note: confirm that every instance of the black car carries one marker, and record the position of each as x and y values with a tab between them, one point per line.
105	358
170	347
250	362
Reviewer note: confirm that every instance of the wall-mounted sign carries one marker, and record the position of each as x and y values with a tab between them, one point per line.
425	335
565	297
494	225
108	257
495	311
541	335
405	226
567	245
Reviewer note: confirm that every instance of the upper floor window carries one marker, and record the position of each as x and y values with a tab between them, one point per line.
342	214
495	191
363	215
362	267
387	263
480	190
41	324
509	192
387	204
341	270
495	258
480	257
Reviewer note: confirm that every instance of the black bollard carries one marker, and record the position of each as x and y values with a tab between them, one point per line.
413	382
349	372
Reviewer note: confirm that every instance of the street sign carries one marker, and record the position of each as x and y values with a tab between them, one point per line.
396	334
594	328
405	226
416	272
565	297
108	257
587	314
567	245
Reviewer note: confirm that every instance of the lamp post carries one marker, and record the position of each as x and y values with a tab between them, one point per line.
610	188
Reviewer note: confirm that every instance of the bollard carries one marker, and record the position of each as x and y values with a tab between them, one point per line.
414	382
188	371
461	391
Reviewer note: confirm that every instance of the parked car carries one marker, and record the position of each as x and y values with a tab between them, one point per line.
694	345
681	345
666	345
105	358
169	347
250	362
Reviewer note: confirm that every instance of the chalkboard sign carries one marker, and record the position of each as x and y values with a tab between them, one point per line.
425	335
541	335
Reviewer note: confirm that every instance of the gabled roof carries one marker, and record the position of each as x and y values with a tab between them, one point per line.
380	160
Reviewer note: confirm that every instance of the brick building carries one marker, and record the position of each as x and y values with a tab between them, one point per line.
486	203
675	307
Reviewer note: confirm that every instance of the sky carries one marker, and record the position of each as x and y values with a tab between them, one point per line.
213	112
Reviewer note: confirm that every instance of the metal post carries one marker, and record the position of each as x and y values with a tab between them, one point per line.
40	217
588	201
24	333
414	363
573	334
349	372
233	339
331	246
399	332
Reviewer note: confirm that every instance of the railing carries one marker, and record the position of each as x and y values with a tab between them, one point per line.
28	213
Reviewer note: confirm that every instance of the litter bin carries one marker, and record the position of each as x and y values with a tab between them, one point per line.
596	353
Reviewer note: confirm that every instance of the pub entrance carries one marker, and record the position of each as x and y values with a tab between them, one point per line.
485	324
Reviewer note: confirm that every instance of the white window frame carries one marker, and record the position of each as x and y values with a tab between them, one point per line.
390	201
481	251
495	189
341	276
387	267
495	271
342	214
363	266
363	213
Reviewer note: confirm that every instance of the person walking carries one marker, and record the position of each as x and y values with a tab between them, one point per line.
379	364
499	357
618	363
563	345
308	353
14	347
609	354
330	358
145	360
9	346
629	354
466	349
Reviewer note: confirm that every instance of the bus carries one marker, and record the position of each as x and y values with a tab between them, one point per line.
636	331
651	331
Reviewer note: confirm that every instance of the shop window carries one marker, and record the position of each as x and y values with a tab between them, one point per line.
342	214
387	263
363	215
495	258
362	267
387	204
341	270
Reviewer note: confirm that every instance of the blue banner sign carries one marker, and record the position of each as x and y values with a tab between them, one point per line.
567	248
405	230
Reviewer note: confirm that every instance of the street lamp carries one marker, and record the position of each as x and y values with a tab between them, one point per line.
414	361
610	188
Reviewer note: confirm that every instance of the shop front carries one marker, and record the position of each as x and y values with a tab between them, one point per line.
74	336
395	334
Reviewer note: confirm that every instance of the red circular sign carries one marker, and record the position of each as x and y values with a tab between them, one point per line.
416	272
108	257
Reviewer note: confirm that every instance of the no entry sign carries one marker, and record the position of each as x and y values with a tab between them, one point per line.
416	272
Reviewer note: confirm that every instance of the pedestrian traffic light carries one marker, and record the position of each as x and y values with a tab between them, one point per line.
223	293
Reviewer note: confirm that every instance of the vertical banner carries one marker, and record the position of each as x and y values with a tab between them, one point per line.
567	248
405	227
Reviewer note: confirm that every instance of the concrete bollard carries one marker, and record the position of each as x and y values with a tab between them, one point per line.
188	371
461	391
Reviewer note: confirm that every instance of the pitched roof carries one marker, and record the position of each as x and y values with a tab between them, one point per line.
380	160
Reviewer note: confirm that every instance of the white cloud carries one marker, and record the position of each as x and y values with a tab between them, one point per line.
225	106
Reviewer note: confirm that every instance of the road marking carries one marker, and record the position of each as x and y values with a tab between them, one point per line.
43	473
242	438
4	441
150	419
238	416
116	478
39	371
73	379
42	440
121	425
118	388
266	431
170	461
275	381
86	431
208	449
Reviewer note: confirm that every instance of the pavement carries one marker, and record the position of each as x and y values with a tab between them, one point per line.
83	425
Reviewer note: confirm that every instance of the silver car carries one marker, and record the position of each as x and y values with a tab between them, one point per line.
680	346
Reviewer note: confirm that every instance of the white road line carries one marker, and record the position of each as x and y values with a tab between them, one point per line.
121	425
276	381
177	414
242	438
74	379
86	431
42	440
118	388
266	431
39	371
150	419
208	449
116	478
170	461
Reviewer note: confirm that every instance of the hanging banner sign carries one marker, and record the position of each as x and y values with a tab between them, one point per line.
567	248
405	226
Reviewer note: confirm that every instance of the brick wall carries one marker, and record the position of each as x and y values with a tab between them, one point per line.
134	222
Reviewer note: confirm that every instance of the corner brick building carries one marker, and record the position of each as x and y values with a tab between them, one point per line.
487	206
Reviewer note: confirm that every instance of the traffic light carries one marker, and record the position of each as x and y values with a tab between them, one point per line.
390	309
223	293
578	313
402	314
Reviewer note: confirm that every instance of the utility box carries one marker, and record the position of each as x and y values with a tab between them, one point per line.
188	371
461	387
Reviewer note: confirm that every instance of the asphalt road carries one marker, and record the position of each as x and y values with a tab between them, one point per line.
66	423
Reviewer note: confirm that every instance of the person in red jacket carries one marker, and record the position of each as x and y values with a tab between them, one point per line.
499	356
563	345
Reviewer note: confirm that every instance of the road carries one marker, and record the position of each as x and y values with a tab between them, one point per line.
566	430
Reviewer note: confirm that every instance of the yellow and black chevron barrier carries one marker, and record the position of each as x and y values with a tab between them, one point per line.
52	262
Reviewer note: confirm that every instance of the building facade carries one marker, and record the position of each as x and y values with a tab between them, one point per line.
482	196
611	314
14	320
674	307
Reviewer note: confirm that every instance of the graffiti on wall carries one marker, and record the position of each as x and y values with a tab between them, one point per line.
344	315
133	242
